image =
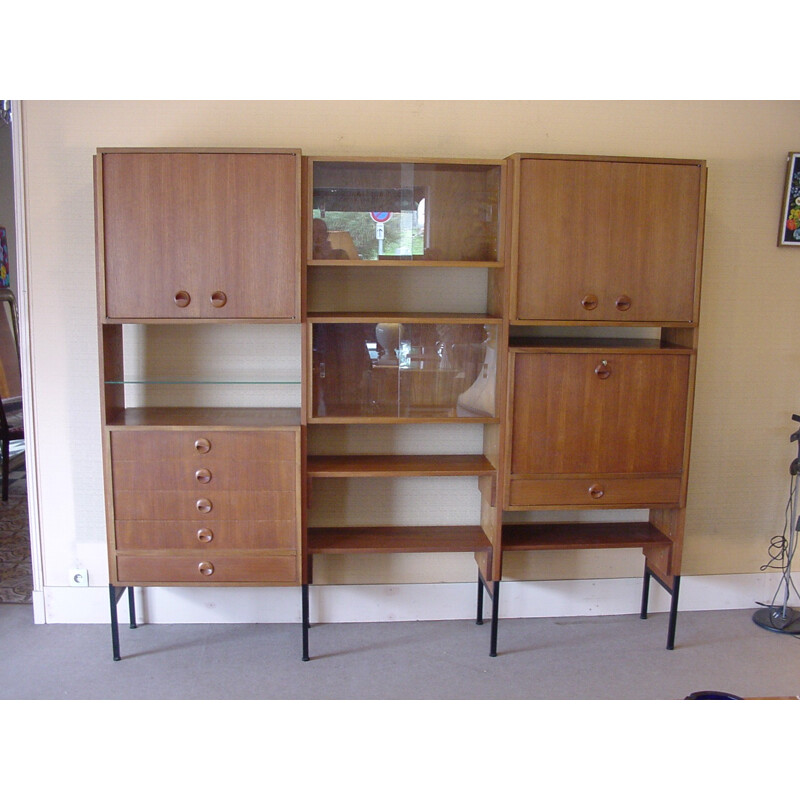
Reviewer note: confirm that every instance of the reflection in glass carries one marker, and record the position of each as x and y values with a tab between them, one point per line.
404	369
405	211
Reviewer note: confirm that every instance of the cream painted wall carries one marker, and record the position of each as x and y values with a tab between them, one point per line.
748	382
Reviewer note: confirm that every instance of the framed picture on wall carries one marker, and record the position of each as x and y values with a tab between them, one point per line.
790	221
4	276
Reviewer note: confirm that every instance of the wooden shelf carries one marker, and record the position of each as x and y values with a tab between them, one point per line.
418	539
581	344
204	417
393	466
579	536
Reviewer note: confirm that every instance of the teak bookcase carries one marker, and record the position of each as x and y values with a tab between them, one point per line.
573	414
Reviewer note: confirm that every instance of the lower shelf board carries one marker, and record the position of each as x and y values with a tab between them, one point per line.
581	536
415	539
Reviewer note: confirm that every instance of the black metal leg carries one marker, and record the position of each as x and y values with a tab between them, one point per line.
113	597
495	609
131	607
305	621
645	593
479	613
673	613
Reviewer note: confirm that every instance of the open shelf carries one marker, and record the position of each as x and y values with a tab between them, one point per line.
415	539
392	466
580	536
203	417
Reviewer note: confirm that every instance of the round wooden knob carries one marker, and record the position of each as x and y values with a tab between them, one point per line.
602	370
182	298
218	299
203	475
589	302
202	445
206	568
623	302
596	491
205	535
203	505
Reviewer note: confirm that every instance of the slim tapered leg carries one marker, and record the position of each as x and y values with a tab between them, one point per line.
495	610
305	621
479	613
645	593
673	613
131	607
113	598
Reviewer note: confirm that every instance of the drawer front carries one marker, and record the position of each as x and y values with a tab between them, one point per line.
206	536
197	474
199	505
201	568
156	446
594	491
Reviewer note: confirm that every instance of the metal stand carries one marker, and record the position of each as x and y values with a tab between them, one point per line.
494	594
115	593
782	619
673	606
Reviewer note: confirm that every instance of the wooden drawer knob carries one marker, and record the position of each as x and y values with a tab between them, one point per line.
205	535
623	302
202	445
218	299
182	299
206	568
596	491
204	505
589	302
602	370
203	476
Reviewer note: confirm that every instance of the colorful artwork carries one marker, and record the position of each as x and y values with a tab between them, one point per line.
4	276
790	222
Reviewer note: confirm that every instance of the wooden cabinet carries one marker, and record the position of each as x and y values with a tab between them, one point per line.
199	235
197	493
601	240
595	426
593	420
205	506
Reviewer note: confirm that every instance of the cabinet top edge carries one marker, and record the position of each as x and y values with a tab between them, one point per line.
489	162
201	150
698	162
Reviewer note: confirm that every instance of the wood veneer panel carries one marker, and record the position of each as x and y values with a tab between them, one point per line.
416	539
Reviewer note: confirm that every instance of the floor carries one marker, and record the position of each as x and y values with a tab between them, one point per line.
589	658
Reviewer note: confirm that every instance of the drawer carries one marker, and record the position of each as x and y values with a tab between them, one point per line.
209	536
203	569
595	491
264	446
203	505
277	476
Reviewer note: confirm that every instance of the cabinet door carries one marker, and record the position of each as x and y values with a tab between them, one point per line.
607	240
200	235
598	413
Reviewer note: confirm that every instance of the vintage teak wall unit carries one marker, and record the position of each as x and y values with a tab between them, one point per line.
571	252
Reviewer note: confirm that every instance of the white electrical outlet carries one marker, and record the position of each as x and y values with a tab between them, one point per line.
79	577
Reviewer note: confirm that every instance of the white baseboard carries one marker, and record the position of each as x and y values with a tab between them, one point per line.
389	602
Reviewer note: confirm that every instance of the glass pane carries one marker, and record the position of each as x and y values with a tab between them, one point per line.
402	211
403	369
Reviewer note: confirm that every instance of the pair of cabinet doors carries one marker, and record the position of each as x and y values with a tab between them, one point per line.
201	235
